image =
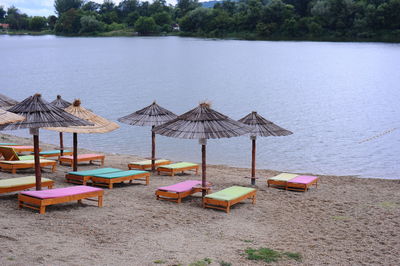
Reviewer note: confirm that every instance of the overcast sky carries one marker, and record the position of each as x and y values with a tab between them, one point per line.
44	7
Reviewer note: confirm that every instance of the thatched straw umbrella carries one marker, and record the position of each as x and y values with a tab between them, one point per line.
61	103
6	102
38	114
7	117
202	123
99	125
152	115
264	128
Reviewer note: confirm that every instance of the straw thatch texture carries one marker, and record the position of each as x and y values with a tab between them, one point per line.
6	102
202	122
60	102
99	124
39	113
7	117
152	115
262	127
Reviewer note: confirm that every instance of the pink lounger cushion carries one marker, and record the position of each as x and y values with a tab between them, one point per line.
182	186
82	156
60	192
303	179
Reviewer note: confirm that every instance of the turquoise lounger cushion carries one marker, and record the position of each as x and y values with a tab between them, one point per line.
230	193
95	171
120	174
52	152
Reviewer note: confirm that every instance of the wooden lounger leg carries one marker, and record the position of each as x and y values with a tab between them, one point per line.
254	199
13	171
110	186
54	168
20	203
50	186
197	171
147	180
173	173
42	209
102	162
100	201
80	201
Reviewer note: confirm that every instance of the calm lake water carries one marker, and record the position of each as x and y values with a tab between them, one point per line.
331	95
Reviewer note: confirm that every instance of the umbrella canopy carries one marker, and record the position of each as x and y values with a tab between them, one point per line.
7	117
99	125
264	128
202	123
60	102
39	113
6	102
152	115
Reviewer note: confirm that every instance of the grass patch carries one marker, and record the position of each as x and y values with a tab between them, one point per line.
270	255
224	263
159	261
388	205
247	241
340	218
203	262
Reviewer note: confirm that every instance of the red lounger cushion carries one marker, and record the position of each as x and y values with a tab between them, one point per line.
82	156
60	192
303	179
182	186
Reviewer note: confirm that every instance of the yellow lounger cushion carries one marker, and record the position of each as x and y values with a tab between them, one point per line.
283	177
147	162
19	181
26	161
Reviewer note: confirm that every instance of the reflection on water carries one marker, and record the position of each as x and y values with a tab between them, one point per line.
331	95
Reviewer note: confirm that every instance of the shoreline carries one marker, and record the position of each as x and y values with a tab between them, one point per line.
346	220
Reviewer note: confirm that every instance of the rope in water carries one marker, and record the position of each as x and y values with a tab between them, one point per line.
378	136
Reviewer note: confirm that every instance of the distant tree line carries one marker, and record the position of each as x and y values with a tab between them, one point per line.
268	19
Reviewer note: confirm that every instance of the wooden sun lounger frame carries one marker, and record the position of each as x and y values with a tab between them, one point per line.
277	183
178	196
13	167
18	149
40	204
226	205
301	187
56	155
172	171
69	161
145	166
48	184
109	182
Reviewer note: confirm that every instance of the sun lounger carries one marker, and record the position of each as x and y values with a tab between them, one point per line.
9	154
25	164
280	181
81	177
110	179
177	192
54	153
21	148
178	167
146	164
21	183
68	159
224	199
38	200
8	144
302	183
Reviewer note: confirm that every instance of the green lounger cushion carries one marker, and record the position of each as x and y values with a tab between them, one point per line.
178	165
120	174
146	162
26	157
20	181
95	172
52	152
230	193
27	161
283	177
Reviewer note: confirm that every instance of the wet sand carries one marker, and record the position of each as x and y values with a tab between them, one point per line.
346	221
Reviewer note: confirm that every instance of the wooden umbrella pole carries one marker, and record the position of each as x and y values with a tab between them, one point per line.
203	169
75	160
153	150
38	173
61	144
253	162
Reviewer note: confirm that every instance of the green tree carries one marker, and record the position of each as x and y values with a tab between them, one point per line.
184	6
62	6
196	20
37	23
162	18
89	24
16	19
2	13
146	25
51	22
69	22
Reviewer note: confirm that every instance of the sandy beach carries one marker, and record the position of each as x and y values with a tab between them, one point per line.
346	221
